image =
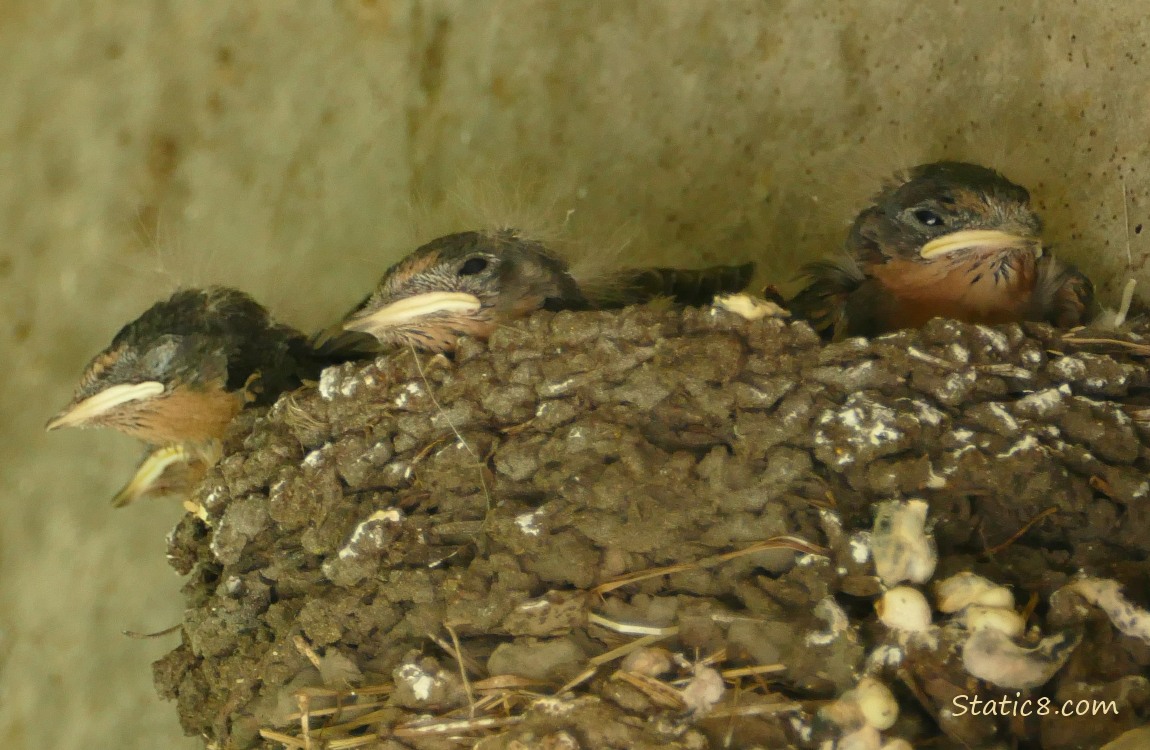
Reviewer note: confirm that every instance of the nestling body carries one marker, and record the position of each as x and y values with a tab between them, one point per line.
947	239
471	282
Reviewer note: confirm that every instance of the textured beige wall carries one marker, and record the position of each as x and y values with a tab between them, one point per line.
294	149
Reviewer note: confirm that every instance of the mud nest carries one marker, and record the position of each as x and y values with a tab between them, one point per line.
634	530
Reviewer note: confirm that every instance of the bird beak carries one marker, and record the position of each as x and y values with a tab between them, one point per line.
409	309
979	239
79	414
149	473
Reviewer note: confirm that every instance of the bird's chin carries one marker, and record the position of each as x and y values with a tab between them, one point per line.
437	334
981	242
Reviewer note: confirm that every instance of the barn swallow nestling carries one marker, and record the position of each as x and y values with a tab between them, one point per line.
470	283
178	374
947	239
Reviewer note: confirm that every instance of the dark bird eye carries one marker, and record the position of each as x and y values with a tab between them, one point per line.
472	266
928	218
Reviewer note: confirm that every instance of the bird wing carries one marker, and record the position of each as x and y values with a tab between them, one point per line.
823	302
693	287
1062	295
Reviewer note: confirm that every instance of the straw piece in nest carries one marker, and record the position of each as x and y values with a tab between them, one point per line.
778	542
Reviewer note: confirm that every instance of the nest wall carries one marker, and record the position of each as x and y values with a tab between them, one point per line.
399	504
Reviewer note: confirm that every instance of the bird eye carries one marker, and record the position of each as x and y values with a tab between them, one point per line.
473	266
928	218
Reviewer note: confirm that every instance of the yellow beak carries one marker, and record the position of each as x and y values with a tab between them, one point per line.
149	473
413	308
981	239
79	414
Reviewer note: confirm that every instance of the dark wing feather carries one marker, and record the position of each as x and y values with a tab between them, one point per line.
1063	296
693	287
823	301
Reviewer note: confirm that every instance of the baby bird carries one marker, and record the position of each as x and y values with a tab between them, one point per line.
178	375
471	282
948	239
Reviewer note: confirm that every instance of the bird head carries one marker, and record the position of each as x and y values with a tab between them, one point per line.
463	284
181	370
948	212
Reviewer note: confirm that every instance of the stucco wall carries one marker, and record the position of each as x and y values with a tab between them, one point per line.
295	149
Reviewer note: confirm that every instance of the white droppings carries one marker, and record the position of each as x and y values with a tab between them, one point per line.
1032	357
849	418
903	549
991	655
213	498
1106	594
705	689
314	458
868	424
800	727
934	481
328	382
829	611
955	455
1027	443
1008	421
760	396
1043	402
962	436
959	353
348	387
420	682
927	413
1068	368
886	655
994	338
409	390
558	389
860	547
882	433
831	522
554	706
862	370
370	527
215	546
956	384
528	523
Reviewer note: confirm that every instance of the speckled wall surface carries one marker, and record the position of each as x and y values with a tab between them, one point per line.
295	149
